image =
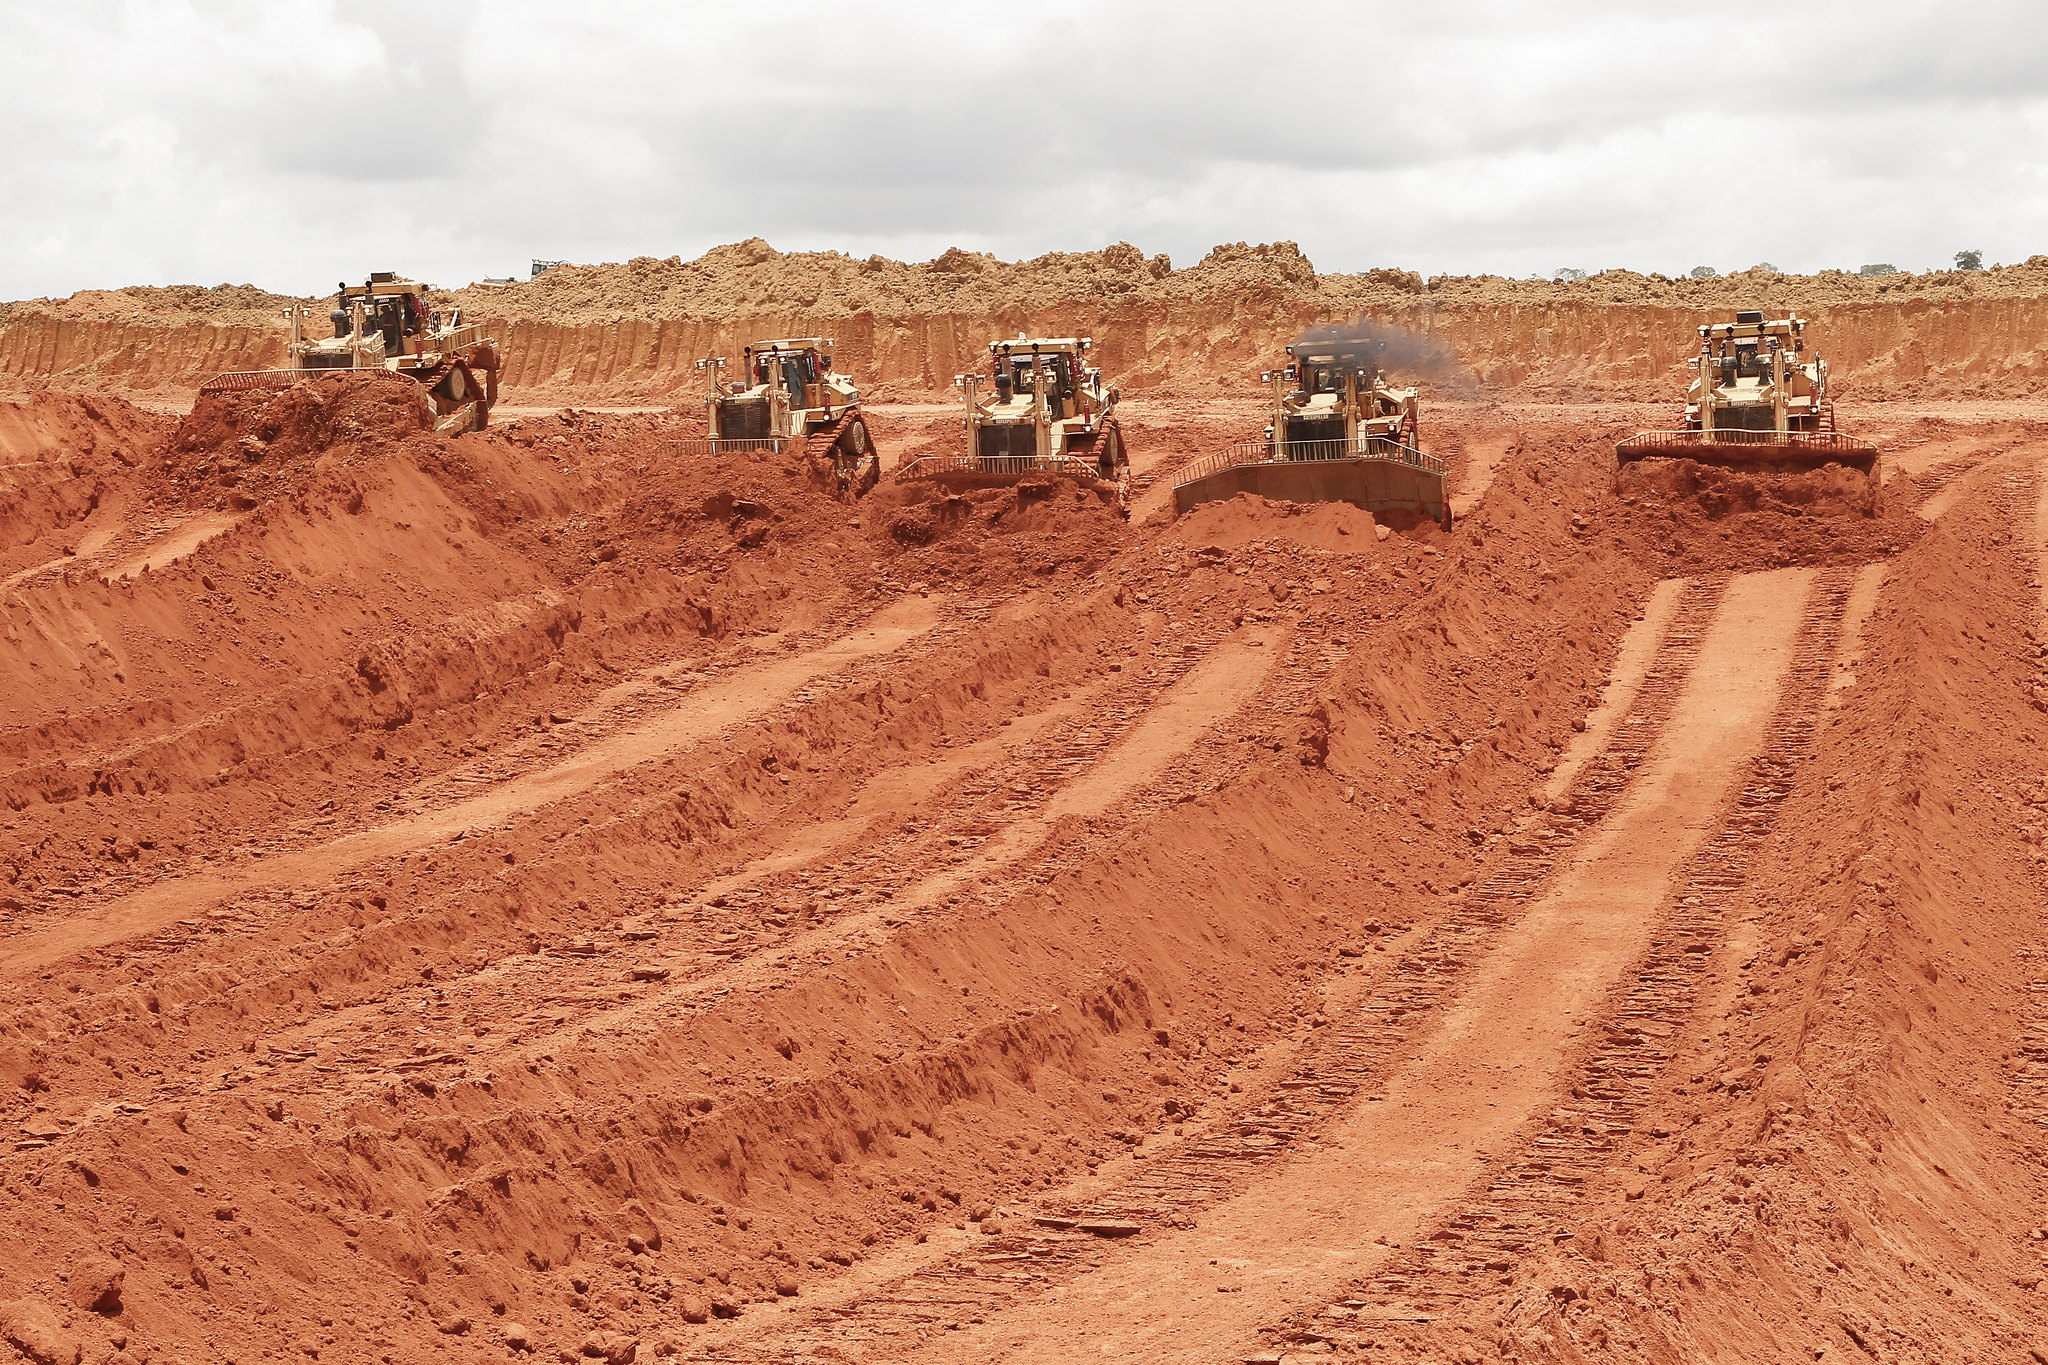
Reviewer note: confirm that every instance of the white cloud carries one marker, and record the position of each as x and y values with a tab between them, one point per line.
293	143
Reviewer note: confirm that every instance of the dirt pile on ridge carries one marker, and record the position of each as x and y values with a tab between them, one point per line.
751	278
313	416
224	305
60	457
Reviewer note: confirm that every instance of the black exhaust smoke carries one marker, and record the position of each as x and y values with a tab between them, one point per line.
1367	344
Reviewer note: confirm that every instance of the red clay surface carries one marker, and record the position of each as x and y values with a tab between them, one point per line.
527	895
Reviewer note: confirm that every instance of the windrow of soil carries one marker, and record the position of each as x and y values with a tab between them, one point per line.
633	332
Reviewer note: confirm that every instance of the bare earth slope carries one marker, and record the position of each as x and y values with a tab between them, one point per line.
536	894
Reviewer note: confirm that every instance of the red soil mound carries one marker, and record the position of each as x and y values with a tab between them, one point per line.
1715	492
1336	527
60	457
1042	528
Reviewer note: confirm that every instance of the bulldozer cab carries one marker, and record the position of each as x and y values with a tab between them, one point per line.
1060	380
1743	349
794	366
1326	377
394	307
1324	372
1017	363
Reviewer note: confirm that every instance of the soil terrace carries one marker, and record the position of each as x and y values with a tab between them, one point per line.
535	895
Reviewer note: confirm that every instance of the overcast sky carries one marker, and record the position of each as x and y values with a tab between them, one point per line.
291	144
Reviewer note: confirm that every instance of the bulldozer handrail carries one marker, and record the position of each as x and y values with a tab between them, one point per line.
284	379
1744	436
1297	452
1006	466
726	445
462	336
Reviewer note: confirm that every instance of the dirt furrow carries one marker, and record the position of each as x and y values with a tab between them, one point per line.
1474	1074
1531	1201
1171	1181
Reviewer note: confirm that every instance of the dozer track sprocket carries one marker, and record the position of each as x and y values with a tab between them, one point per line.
852	454
1103	450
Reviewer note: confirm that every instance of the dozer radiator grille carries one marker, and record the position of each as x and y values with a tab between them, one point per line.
1301	431
1017	439
746	419
1745	418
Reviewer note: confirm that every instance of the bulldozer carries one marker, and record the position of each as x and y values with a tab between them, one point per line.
1326	405
1339	433
385	328
789	394
1048	414
1755	400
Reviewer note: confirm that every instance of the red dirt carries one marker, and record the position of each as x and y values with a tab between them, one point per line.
532	893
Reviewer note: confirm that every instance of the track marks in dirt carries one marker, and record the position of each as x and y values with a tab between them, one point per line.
1468	1078
1640	647
1947	484
174	541
1483	453
1092	763
140	548
699	717
1530	1202
1238	1162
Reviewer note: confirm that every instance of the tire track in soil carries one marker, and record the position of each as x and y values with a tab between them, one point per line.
1478	1076
1531	1202
909	880
1276	1118
1949	483
1152	490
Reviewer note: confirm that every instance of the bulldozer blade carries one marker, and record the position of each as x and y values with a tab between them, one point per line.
1738	448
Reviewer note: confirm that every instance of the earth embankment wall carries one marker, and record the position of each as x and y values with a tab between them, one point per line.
1910	348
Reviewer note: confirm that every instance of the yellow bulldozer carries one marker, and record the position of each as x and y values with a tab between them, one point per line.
1339	433
385	328
1755	399
1323	403
789	395
1048	414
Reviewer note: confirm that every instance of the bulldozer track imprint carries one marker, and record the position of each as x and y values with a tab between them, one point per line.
1333	1070
1532	1201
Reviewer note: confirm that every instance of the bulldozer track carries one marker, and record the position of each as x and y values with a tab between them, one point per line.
1166	471
1928	482
1531	1202
1330	1073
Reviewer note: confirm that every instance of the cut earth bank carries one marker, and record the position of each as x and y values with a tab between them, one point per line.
634	332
